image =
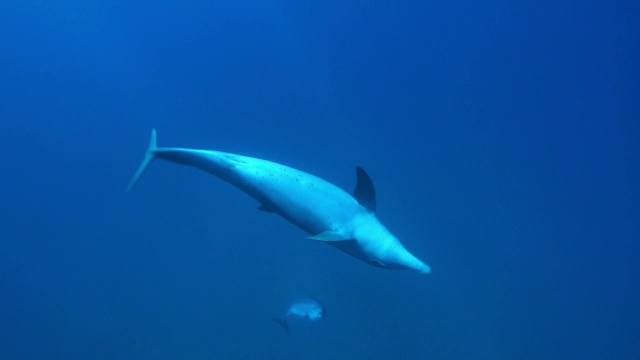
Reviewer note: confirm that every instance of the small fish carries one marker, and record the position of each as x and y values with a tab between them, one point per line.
309	309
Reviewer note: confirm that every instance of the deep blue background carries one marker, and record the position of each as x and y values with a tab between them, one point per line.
502	138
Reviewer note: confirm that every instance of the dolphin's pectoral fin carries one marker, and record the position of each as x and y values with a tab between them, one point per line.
266	208
365	193
330	236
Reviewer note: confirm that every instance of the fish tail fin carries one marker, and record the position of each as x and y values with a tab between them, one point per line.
148	157
282	322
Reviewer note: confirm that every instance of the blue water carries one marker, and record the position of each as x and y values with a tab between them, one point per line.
502	138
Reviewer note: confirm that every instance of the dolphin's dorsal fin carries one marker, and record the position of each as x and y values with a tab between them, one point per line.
364	193
330	236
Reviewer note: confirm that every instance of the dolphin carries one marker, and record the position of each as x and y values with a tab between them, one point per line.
324	211
309	309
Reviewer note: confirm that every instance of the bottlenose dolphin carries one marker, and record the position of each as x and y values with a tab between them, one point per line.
326	212
309	309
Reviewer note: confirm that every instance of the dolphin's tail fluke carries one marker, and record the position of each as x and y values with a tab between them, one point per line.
148	157
282	322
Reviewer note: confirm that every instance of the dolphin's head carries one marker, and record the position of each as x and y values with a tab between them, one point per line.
382	249
395	256
400	258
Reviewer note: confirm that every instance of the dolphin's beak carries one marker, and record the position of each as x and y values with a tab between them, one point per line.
423	269
414	263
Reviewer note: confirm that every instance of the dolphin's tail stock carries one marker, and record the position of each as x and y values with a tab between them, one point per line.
148	157
282	322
